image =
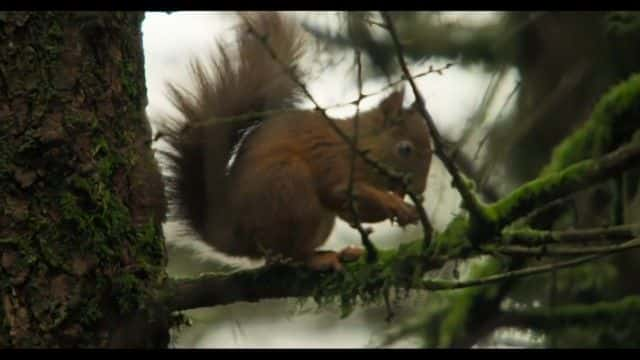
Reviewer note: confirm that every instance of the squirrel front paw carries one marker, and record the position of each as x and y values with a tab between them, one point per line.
331	260
400	211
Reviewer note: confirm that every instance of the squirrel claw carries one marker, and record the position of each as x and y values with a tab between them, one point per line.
350	253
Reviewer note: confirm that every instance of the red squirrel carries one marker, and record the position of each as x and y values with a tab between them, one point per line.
273	180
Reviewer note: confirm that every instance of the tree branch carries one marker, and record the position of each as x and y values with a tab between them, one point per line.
372	254
470	200
248	286
450	285
285	281
532	237
347	140
282	281
577	177
551	250
612	313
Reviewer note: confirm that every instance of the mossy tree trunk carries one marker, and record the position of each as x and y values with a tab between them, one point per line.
81	198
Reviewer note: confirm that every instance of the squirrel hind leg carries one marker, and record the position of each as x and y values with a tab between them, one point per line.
331	260
324	261
351	253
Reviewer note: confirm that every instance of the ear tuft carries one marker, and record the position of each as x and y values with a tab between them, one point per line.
392	105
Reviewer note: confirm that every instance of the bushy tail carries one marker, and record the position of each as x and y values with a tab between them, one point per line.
228	98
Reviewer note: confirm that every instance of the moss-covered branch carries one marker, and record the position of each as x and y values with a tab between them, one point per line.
358	282
623	313
554	250
400	269
613	122
576	177
243	286
491	279
531	237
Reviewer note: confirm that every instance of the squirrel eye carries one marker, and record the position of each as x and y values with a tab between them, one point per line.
404	148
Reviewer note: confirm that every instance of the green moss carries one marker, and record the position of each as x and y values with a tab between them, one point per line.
452	313
613	121
531	235
620	315
621	23
101	227
540	191
585	283
454	240
129	79
396	269
74	234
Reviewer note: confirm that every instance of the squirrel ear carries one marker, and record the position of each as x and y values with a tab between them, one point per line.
392	105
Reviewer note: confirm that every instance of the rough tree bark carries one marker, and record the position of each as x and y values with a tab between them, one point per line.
81	198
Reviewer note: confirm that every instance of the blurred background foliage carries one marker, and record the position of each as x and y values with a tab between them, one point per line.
565	62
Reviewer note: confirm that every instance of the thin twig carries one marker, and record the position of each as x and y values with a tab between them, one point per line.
372	254
431	70
253	114
450	285
470	200
289	71
536	213
353	147
498	117
427	228
480	115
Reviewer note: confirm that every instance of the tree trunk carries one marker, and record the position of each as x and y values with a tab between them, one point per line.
81	198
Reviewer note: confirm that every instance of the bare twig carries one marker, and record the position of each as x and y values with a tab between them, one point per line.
427	228
498	117
450	285
372	254
431	70
253	114
480	115
470	200
535	214
362	154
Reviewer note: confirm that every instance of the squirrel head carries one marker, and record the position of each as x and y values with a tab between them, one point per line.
399	139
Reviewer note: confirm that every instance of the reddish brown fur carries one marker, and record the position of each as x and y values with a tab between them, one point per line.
290	176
